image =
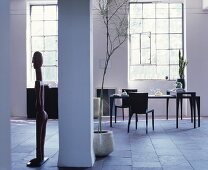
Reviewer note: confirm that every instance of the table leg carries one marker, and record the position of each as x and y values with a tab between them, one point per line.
181	100
194	108
177	108
111	110
191	106
167	104
198	109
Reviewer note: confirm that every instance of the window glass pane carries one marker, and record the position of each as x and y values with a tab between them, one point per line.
145	40
162	10
175	41
135	26
135	57
152	72
50	28
162	41
50	13
37	28
174	56
50	73
176	26
136	10
37	44
176	10
51	43
139	72
132	73
174	72
135	41
162	71
37	13
149	10
162	26
162	57
50	58
149	25
145	53
153	49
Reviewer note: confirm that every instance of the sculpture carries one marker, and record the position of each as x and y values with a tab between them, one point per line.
41	115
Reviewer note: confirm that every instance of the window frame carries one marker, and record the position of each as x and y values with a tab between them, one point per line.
156	33
30	70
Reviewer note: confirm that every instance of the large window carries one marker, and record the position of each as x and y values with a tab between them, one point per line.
156	36
44	38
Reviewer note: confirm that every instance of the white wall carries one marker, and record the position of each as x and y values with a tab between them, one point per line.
5	98
197	51
116	75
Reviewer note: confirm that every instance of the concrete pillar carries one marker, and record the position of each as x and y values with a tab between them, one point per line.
75	84
4	87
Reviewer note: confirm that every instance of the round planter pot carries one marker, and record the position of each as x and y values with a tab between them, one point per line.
103	143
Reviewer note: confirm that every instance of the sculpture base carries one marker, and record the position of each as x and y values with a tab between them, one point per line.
36	163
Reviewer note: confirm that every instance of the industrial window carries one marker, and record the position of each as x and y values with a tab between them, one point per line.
44	38
155	38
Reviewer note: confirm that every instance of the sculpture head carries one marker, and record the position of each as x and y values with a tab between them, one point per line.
37	60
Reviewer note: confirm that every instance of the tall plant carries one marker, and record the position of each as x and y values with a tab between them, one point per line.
114	14
182	64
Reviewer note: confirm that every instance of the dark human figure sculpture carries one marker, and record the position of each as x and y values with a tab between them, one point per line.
41	115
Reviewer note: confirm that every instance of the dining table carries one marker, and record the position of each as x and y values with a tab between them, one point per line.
178	96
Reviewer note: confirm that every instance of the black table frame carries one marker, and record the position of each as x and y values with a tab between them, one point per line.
195	101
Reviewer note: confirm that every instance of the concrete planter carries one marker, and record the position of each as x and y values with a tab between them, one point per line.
103	143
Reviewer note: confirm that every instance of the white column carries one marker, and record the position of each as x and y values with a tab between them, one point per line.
4	87
18	57
75	84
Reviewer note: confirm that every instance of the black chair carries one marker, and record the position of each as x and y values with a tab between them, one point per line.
138	103
125	102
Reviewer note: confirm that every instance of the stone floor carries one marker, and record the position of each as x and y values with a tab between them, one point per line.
166	148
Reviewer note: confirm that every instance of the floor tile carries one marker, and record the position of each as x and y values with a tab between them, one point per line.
166	148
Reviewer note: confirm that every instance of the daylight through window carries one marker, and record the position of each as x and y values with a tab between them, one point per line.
155	37
44	38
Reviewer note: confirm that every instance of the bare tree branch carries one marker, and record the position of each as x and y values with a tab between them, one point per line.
115	18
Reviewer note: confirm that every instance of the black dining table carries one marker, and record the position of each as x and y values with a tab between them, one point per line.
178	96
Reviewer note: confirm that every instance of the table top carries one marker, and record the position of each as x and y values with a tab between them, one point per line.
149	96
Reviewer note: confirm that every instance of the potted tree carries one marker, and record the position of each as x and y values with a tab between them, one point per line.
114	14
182	64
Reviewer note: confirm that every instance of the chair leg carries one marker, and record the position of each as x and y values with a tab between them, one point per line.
115	113
146	123
153	126
130	115
191	107
136	120
123	112
198	109
181	108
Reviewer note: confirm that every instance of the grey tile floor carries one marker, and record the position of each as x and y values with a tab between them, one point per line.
167	148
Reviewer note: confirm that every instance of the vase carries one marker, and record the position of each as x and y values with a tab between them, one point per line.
182	81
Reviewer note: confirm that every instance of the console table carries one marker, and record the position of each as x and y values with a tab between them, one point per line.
51	102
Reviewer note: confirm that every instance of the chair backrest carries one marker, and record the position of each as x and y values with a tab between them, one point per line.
138	102
125	101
